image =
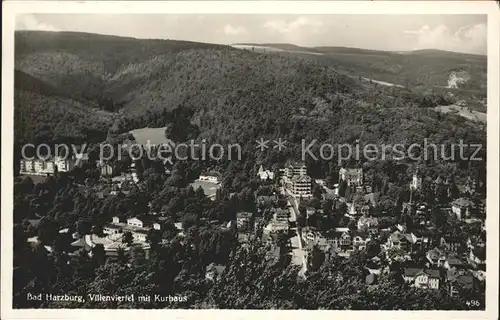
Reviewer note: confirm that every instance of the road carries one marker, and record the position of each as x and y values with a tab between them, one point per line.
299	255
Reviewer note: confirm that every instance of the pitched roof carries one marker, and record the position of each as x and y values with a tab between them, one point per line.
34	222
413	272
432	272
398	236
363	235
351	168
217	268
296	164
371	198
244	214
368	220
435	253
462	203
305	178
455	261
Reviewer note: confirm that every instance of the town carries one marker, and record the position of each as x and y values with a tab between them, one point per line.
306	221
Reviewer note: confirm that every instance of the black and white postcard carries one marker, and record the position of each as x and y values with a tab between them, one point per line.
188	159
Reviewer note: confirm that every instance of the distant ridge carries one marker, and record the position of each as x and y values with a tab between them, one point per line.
354	50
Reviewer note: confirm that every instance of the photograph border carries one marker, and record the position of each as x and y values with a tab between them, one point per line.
489	8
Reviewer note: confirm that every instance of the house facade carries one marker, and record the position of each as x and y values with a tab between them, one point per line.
403	241
137	226
367	224
295	169
352	176
243	220
301	186
422	278
212	178
265	174
436	257
461	208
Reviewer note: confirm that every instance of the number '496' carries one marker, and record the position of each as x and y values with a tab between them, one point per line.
473	303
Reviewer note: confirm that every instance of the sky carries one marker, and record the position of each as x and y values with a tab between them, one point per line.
460	33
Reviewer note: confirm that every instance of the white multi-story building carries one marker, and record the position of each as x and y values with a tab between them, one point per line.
43	167
212	178
137	226
352	176
295	169
49	165
301	186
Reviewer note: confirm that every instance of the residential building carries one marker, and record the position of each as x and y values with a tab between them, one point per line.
51	164
352	176
403	241
310	211
212	178
295	169
477	257
436	257
352	209
266	201
422	278
454	262
265	174
471	186
409	208
342	240
461	208
276	226
273	255
214	271
366	210
301	186
138	226
281	215
320	182
367	224
309	235
451	243
279	222
359	240
475	241
457	280
243	220
40	167
105	169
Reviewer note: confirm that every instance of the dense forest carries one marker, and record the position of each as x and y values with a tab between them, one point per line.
82	88
416	69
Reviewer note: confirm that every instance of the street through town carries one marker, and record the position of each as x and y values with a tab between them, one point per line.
298	253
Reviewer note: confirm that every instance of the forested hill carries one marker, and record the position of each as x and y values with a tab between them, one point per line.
230	95
419	69
61	81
